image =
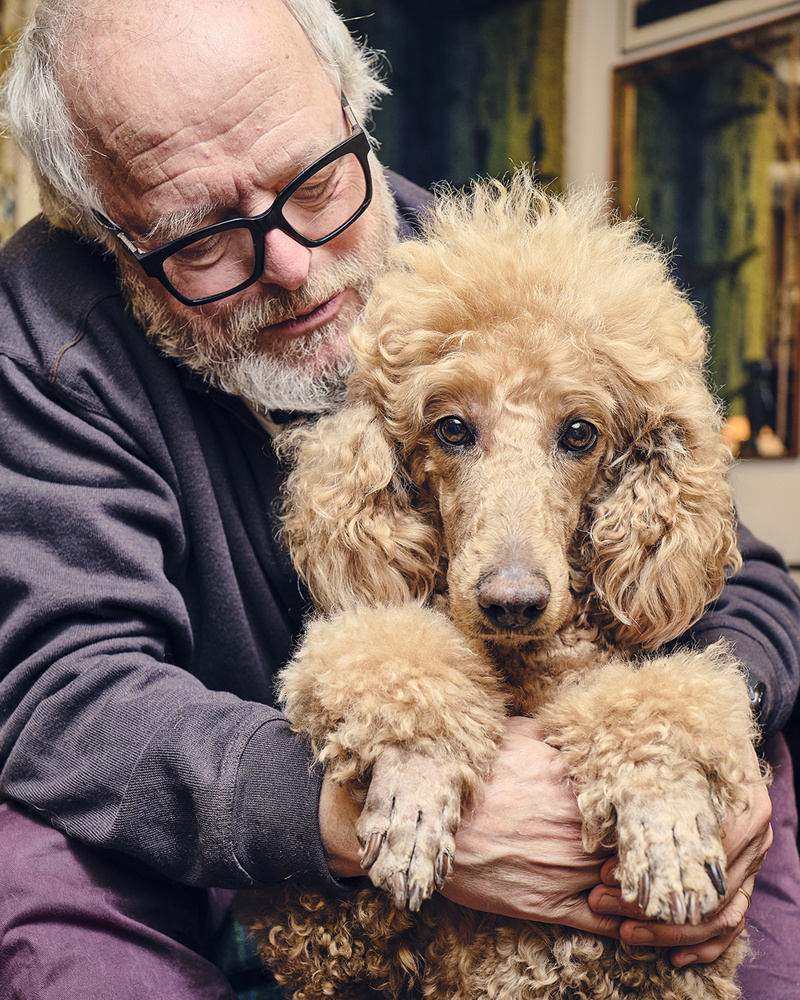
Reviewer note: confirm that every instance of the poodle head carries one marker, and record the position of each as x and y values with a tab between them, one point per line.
538	381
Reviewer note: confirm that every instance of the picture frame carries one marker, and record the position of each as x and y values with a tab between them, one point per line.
644	22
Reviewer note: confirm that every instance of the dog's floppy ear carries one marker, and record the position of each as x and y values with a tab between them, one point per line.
663	536
349	519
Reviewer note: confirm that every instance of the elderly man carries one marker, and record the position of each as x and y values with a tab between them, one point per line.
215	150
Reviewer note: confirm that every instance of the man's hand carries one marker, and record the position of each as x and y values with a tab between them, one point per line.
338	813
519	852
746	838
518	849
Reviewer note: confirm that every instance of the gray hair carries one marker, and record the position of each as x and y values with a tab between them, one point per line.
34	112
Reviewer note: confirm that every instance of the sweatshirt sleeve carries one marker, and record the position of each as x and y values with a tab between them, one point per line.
758	612
108	725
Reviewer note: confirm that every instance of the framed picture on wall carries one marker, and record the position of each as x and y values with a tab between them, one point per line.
707	155
648	22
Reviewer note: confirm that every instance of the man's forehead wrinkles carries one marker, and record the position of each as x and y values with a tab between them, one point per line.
132	126
219	185
189	178
256	146
180	157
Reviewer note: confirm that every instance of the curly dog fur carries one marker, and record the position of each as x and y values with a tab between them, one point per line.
524	496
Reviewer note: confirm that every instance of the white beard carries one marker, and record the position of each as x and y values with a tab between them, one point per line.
286	380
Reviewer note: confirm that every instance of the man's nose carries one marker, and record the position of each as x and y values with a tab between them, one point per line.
286	263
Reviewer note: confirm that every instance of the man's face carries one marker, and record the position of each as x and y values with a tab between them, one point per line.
206	116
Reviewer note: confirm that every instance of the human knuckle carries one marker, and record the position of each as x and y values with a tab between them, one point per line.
731	924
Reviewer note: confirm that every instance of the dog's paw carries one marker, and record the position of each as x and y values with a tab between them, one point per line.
671	859
408	825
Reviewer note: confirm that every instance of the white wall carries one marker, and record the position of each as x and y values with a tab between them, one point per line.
767	490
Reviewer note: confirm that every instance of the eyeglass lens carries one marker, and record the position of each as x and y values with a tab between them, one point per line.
219	262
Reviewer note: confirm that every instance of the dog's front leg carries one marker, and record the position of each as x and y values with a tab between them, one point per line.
395	702
658	752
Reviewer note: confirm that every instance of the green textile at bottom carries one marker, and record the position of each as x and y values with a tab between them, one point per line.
233	951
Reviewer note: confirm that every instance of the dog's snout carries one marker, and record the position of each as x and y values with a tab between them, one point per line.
513	598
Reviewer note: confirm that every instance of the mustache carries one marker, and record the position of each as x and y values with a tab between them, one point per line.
215	337
247	319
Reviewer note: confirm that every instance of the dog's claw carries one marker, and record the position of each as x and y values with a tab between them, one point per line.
693	908
644	890
442	869
716	876
416	898
371	851
677	908
399	890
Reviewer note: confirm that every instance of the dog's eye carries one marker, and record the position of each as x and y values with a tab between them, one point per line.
454	432
579	437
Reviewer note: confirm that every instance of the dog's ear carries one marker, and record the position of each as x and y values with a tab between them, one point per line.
663	536
349	517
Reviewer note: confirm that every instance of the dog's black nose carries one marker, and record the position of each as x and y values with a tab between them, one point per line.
513	598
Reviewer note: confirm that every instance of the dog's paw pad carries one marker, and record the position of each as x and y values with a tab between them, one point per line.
408	825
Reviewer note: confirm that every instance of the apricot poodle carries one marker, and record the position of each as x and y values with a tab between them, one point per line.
522	499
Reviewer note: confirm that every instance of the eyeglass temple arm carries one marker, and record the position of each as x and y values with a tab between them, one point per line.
114	229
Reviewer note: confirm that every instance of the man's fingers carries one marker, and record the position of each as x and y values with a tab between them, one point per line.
608	872
733	921
689	944
608	899
707	951
594	924
578	915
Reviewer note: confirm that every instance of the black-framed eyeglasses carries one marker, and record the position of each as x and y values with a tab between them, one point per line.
222	259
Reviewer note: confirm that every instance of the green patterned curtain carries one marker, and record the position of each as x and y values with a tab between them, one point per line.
477	86
705	138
